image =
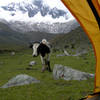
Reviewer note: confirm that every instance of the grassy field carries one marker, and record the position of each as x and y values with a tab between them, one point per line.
48	88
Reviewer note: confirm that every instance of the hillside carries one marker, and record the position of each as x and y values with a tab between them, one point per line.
10	39
74	39
11	66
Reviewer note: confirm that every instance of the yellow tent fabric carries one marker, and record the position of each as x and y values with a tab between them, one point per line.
99	2
92	97
87	12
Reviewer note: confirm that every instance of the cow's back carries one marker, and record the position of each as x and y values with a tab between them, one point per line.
43	49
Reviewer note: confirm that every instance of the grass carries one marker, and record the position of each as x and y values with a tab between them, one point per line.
48	88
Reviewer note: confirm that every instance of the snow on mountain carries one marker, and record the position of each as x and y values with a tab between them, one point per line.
54	28
28	10
37	15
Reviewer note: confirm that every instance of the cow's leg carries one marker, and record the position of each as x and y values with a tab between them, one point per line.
43	64
48	63
49	68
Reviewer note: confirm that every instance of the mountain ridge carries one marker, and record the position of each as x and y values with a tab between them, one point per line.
75	39
36	15
12	39
54	28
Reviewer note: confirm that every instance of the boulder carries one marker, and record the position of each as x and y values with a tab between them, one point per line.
67	73
21	79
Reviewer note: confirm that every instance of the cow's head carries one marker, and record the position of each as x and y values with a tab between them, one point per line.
35	47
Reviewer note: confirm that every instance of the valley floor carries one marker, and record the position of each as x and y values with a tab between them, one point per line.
48	88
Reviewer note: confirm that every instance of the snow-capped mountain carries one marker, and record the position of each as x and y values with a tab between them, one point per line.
37	15
30	9
44	27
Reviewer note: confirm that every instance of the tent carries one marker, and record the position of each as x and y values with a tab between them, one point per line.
87	13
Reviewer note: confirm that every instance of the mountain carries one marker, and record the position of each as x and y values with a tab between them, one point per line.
32	8
53	28
76	39
22	21
10	39
37	15
28	10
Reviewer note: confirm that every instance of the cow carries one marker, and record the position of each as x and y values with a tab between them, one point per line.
43	49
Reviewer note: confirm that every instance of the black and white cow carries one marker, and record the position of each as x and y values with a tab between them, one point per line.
43	49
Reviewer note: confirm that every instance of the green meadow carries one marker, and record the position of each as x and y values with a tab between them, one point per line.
48	88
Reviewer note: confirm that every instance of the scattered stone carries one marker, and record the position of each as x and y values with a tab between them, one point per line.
66	53
60	55
12	53
32	63
80	53
19	80
66	73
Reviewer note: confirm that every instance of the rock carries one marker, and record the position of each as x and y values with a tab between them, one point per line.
77	54
80	53
32	63
21	79
12	53
66	53
66	73
60	55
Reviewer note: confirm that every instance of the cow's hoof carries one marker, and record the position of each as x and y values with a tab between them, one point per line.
50	70
47	68
43	69
29	68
